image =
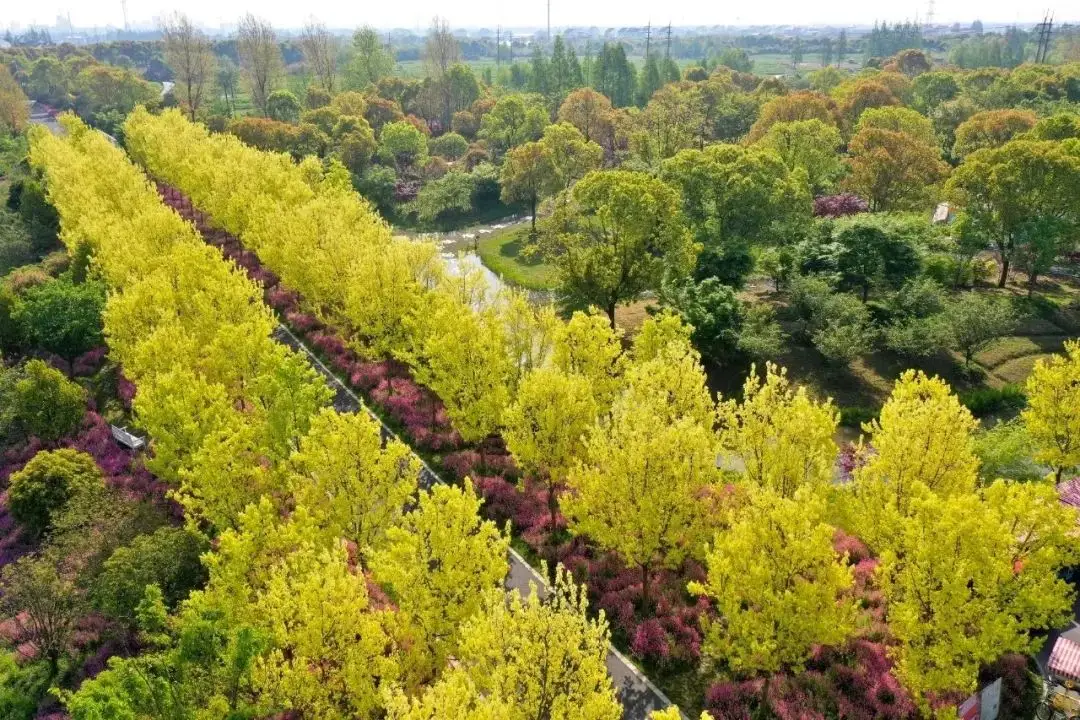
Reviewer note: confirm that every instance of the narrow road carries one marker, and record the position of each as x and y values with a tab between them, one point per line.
639	696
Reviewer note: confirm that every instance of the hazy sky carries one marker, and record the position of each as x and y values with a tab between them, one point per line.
488	13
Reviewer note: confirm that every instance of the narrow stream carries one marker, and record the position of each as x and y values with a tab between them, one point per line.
459	246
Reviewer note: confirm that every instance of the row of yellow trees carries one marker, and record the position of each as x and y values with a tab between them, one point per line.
240	427
634	437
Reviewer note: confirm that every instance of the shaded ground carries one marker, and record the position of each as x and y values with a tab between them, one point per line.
1051	318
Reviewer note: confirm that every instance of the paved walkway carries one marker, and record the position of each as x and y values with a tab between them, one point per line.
637	694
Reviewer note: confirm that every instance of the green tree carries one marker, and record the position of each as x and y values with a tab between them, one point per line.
62	317
45	484
40	401
403	145
1018	193
515	119
44	606
371	60
810	145
778	585
168	558
616	238
283	106
528	174
975	320
732	196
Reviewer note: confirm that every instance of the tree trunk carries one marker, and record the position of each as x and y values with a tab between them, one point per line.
865	292
610	310
644	587
1004	272
1057	474
553	507
1033	281
532	205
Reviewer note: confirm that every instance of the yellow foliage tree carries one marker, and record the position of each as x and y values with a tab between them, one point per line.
330	653
784	438
542	658
640	489
587	345
546	424
922	443
1052	416
778	585
967	578
438	564
355	486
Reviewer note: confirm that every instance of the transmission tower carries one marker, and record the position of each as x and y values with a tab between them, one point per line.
1045	30
123	7
549	21
667	51
498	45
648	40
929	13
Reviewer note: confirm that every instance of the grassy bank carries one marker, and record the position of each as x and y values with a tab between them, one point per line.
503	252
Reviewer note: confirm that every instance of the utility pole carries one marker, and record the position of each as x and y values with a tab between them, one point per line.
667	52
498	45
1045	28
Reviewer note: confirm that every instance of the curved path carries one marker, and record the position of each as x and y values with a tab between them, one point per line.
637	693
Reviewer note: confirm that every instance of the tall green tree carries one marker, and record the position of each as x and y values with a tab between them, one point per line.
617	237
1019	195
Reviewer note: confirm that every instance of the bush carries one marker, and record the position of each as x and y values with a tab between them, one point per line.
283	106
986	401
918	336
21	687
835	206
40	401
168	558
856	415
62	317
450	146
46	484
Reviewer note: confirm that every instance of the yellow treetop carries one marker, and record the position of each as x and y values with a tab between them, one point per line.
1052	416
782	436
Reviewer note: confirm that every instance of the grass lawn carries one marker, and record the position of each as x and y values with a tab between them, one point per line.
502	251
